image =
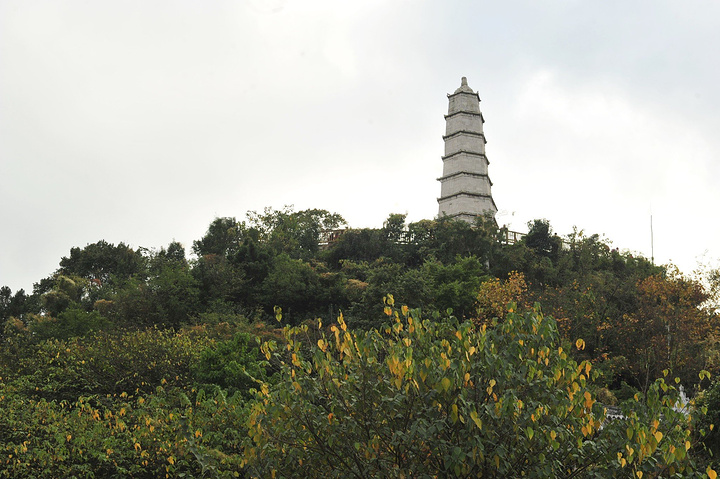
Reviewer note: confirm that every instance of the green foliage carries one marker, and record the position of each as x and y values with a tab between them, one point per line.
235	365
101	261
69	323
541	239
106	363
427	399
454	286
357	245
168	295
112	321
12	304
162	435
221	239
707	422
65	292
294	233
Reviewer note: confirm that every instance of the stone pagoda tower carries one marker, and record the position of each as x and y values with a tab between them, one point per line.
465	184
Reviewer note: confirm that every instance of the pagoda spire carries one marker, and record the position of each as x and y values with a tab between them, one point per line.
465	184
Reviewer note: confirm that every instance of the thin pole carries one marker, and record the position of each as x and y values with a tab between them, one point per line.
652	243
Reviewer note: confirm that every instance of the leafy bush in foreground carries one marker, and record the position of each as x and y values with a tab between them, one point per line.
445	399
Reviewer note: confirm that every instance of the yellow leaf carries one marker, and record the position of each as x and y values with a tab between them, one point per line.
171	460
580	344
639	474
476	419
687	445
711	473
658	436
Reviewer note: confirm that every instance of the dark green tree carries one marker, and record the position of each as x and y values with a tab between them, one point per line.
102	260
222	238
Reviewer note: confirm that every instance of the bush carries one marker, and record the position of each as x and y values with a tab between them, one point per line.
70	323
161	435
427	399
104	363
234	365
707	421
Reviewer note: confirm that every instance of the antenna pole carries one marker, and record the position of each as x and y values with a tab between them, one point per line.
652	244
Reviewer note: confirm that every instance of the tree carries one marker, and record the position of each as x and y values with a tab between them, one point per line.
67	291
665	330
494	296
13	304
446	239
291	232
168	295
303	289
420	398
541	239
99	261
174	290
453	286
222	237
363	244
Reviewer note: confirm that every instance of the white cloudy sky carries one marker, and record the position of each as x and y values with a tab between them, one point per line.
141	121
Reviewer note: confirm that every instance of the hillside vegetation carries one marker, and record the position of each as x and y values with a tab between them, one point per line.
269	354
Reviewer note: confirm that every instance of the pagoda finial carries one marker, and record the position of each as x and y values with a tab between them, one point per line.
464	88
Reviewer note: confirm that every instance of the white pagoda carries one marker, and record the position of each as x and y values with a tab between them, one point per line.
465	184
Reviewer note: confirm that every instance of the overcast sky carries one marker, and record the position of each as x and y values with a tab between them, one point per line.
142	121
